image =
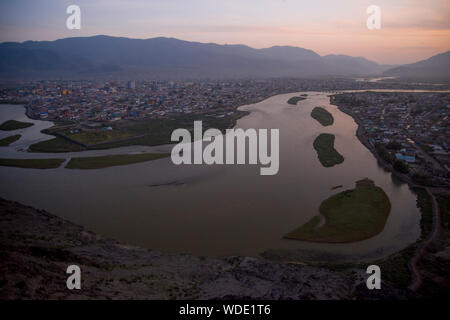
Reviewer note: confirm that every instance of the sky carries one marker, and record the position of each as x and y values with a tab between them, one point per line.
411	30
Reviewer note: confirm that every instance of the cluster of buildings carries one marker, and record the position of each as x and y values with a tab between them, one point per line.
411	127
88	101
82	101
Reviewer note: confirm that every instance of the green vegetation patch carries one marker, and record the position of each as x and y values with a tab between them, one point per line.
306	229
444	207
14	125
401	166
322	116
351	215
149	132
295	100
32	163
395	267
8	140
112	160
435	264
98	136
425	204
64	122
328	156
56	145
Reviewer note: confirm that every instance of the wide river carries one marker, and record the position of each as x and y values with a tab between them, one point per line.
219	210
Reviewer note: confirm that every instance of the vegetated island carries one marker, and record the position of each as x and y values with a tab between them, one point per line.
351	215
328	156
14	125
32	163
322	116
55	145
8	140
145	132
295	100
112	160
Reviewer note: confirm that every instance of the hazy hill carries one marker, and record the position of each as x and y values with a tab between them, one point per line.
168	57
354	65
288	53
434	68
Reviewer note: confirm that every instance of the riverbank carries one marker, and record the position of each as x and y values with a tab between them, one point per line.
429	257
362	137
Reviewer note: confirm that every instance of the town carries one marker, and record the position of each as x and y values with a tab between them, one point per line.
108	101
407	131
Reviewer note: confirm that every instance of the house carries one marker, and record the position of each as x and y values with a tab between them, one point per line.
410	159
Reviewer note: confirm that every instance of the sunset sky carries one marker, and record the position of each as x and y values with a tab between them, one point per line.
411	29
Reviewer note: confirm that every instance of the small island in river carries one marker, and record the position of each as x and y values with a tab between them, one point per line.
112	160
14	125
295	100
8	140
322	116
31	163
98	162
351	215
328	156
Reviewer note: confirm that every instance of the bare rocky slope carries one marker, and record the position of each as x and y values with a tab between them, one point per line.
36	248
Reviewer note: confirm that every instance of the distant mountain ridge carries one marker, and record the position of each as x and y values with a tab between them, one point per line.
436	68
103	56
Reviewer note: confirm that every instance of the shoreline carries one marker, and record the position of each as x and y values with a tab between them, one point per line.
360	134
420	247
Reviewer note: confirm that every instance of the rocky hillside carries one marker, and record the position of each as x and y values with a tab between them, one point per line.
36	248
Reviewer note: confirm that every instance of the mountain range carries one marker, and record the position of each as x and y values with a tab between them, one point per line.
157	58
435	68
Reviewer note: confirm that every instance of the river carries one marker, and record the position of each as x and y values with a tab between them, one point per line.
218	210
